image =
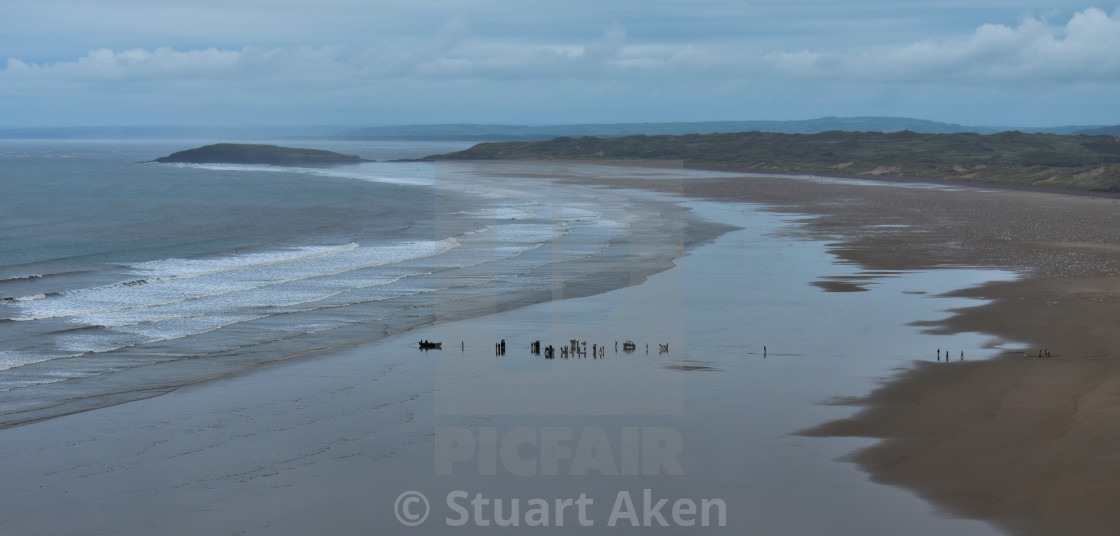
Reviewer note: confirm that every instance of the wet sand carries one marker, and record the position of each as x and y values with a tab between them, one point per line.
1026	443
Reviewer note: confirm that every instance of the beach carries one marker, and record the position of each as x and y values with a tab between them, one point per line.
812	294
1022	440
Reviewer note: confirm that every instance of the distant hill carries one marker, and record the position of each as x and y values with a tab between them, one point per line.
1040	160
808	126
520	132
1105	131
242	153
476	132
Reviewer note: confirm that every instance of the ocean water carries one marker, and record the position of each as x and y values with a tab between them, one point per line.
121	279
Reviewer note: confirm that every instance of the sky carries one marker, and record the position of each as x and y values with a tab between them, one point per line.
1022	63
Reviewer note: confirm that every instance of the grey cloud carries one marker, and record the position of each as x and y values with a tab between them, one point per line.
492	69
1082	50
606	47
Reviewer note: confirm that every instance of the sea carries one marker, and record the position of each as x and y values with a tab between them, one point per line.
123	279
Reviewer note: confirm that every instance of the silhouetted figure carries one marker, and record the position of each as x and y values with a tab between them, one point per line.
939	354
962	355
764	351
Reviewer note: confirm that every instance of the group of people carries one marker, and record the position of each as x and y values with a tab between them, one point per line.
947	355
1042	352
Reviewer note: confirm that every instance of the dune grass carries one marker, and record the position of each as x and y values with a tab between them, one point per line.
1090	163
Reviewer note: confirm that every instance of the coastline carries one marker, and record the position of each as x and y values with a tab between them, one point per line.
155	371
1025	443
334	401
888	178
328	442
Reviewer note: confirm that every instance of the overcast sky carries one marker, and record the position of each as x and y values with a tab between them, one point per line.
378	62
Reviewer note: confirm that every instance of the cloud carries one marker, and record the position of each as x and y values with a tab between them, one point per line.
1032	52
104	66
455	70
607	47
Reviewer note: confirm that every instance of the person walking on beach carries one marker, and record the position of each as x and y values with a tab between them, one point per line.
939	355
962	355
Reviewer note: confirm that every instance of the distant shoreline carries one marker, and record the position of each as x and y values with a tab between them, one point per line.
790	173
1049	161
506	132
913	180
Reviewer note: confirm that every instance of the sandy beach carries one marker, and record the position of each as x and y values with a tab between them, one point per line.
1027	443
326	443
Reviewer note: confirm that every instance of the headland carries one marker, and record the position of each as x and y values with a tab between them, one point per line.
273	155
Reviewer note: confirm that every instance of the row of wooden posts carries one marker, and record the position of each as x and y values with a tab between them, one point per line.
577	349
